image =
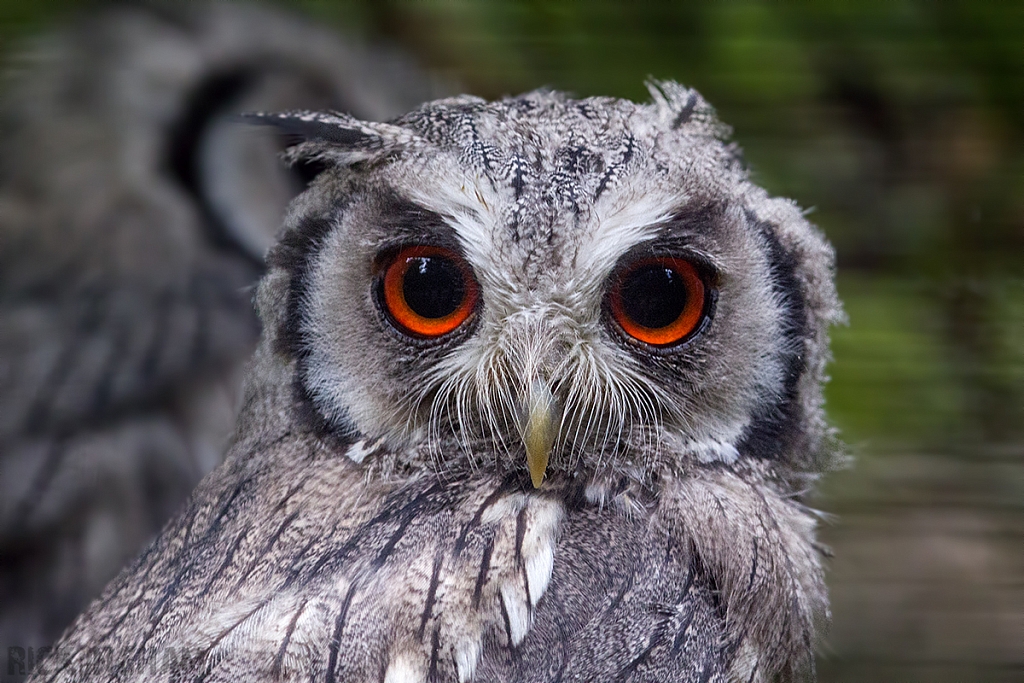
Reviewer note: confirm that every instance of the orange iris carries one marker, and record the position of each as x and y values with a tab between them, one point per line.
429	291
659	301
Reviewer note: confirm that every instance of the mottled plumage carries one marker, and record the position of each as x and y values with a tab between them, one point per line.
375	518
134	217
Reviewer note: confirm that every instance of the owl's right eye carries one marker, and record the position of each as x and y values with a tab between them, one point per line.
428	291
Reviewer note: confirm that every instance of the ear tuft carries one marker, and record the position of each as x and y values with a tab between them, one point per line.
683	108
332	137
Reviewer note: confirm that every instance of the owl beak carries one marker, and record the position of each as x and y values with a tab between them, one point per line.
539	429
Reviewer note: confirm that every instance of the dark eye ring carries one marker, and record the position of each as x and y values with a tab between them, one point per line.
428	291
660	301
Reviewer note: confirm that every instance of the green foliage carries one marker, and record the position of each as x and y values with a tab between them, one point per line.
890	381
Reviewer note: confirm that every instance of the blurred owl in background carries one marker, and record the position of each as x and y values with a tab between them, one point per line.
134	217
538	397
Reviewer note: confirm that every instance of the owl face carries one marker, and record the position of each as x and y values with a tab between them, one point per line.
556	284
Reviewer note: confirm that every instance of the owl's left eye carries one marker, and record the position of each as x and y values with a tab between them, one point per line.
660	301
428	291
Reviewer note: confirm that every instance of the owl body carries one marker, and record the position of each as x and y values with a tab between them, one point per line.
536	398
134	218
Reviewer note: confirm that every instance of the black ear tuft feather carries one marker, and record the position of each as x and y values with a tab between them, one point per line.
331	138
307	125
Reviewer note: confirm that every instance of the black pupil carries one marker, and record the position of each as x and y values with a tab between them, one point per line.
653	296
433	286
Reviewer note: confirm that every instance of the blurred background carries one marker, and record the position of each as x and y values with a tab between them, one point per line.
900	124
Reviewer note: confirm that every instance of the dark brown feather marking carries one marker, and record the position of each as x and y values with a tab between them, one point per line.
267	547
686	112
753	566
392	543
279	658
501	490
407	513
520	534
615	168
229	558
276	536
435	652
677	642
339	625
656	640
435	577
481	577
520	537
294	571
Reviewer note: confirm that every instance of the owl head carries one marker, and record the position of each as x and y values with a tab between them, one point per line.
554	285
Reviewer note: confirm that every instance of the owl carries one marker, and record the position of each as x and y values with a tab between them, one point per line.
537	398
134	219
